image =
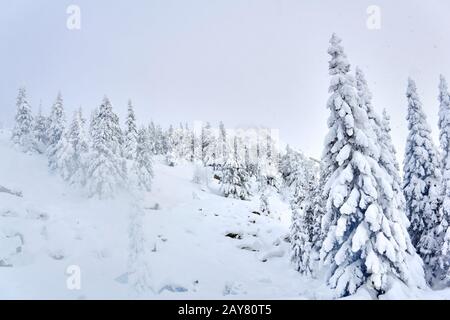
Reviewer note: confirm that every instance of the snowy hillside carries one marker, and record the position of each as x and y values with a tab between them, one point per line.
202	245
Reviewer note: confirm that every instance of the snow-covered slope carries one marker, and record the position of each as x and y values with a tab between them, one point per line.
200	244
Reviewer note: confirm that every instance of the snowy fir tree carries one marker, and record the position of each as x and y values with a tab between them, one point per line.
22	134
264	206
139	276
57	125
388	158
234	177
130	133
365	101
79	142
440	267
221	147
422	178
106	169
288	165
306	215
363	245
207	145
302	241
142	168
171	158
268	174
63	157
382	130
40	129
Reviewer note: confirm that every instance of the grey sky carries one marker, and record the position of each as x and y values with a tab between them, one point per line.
246	62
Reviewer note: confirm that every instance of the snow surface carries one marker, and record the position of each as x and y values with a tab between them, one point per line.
202	245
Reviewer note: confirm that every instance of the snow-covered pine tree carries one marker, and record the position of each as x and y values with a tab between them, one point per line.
57	125
381	127
63	156
151	137
389	160
130	133
171	158
249	160
234	177
363	245
40	132
159	140
288	166
422	178
301	245
221	147
106	166
365	101
142	169
80	144
306	214
207	145
138	269
441	266
22	134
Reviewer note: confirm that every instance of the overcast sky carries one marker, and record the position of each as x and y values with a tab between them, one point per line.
246	62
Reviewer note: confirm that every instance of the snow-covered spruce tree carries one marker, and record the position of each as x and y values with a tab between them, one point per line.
363	245
268	174
130	133
151	137
106	166
422	178
171	158
388	158
79	141
250	162
22	134
264	206
365	101
306	214
382	130
40	128
301	245
138	269
207	145
288	165
441	266
142	169
57	125
63	156
221	147
234	177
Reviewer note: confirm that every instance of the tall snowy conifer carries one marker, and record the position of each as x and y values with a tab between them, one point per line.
57	125
234	177
422	178
442	232
80	143
106	168
40	129
363	245
23	129
142	169
130	133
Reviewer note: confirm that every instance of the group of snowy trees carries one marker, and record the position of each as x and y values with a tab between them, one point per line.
359	221
101	158
426	184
